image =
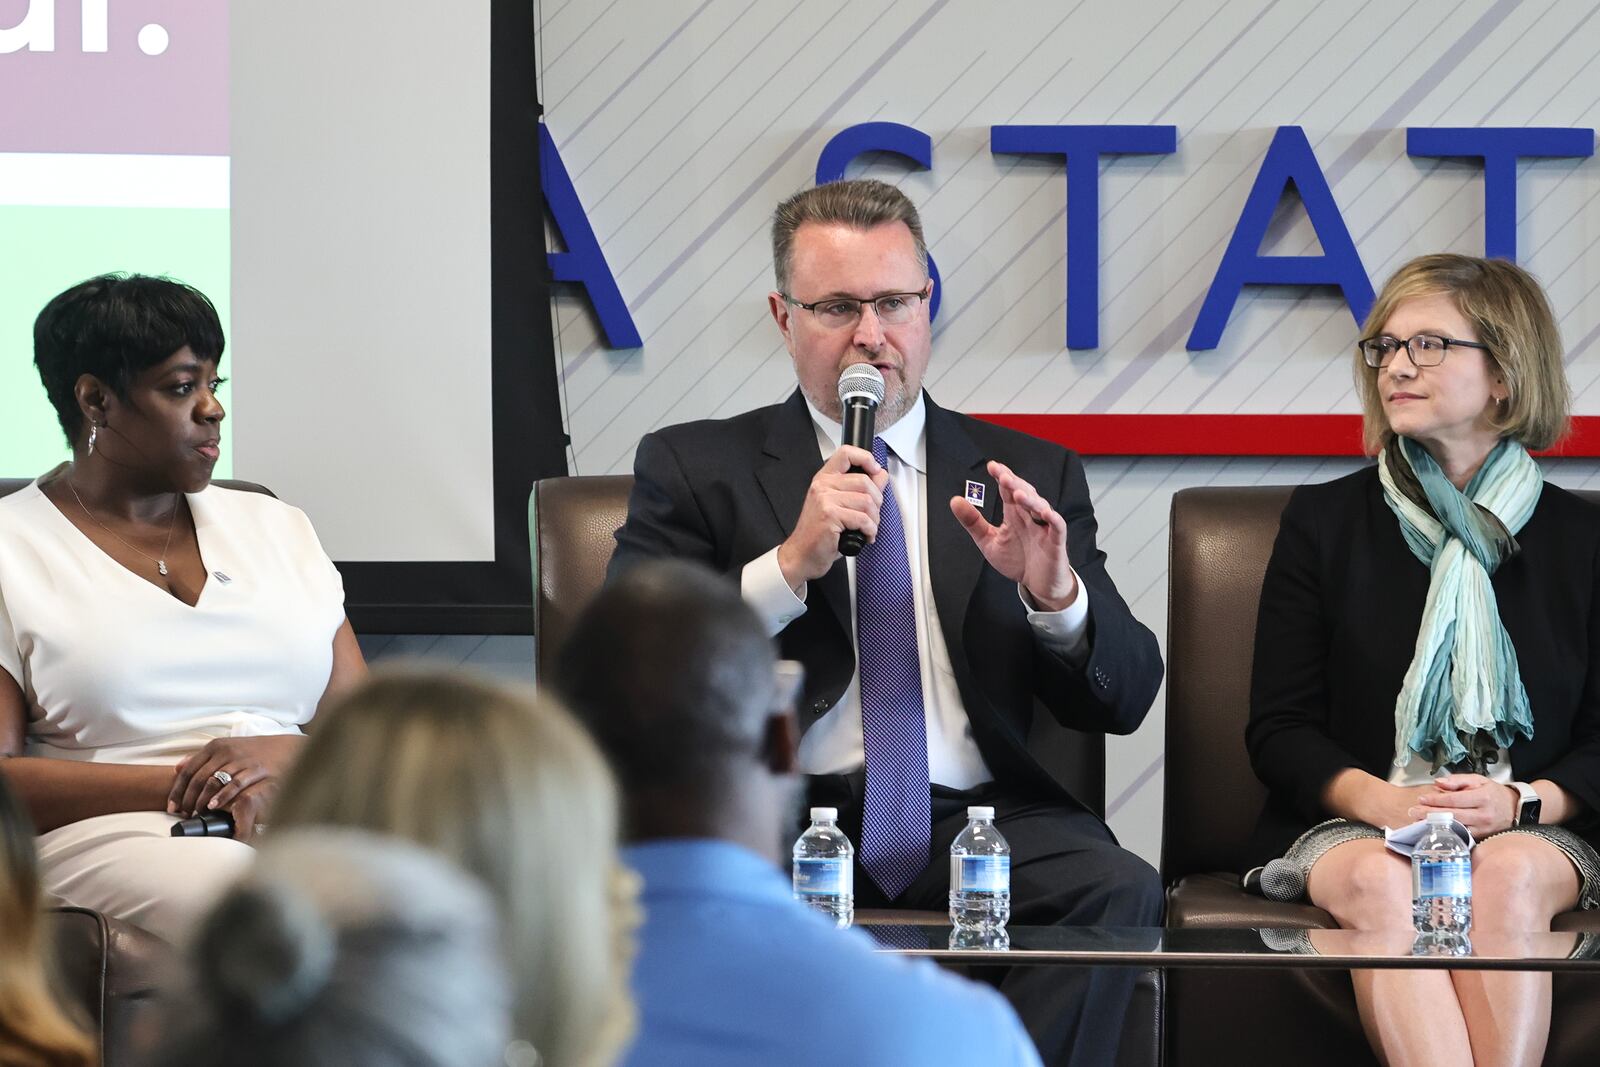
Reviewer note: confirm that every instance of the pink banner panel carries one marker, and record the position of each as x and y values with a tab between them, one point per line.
114	76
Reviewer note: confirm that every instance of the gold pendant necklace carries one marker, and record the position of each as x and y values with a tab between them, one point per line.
172	522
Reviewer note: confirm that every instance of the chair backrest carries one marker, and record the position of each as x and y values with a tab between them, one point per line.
1221	541
11	485
571	527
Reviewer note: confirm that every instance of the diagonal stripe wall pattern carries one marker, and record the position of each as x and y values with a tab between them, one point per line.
683	123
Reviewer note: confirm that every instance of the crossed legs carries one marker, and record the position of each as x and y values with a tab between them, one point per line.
1519	883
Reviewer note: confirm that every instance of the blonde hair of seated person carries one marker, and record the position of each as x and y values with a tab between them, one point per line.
35	1031
511	788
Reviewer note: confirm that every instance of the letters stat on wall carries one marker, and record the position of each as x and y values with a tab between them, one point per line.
1289	161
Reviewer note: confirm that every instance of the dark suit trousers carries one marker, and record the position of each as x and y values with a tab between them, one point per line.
1067	869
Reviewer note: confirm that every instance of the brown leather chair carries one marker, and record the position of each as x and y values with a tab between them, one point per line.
571	527
1221	539
112	974
572	523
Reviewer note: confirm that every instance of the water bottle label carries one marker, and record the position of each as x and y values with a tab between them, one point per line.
823	877
1446	878
980	874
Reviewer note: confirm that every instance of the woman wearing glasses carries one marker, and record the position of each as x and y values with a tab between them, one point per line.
1426	643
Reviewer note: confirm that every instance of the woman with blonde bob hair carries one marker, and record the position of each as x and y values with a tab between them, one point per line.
34	1030
510	788
1427	643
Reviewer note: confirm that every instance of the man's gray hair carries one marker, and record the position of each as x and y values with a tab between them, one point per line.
860	204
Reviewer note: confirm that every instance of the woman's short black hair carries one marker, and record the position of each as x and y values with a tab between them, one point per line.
114	327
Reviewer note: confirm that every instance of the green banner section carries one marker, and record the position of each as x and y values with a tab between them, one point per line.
43	250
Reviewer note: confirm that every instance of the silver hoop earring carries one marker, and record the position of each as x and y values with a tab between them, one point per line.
94	430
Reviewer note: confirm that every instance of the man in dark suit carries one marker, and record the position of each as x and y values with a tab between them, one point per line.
980	597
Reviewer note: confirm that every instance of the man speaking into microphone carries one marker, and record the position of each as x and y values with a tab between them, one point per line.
978	598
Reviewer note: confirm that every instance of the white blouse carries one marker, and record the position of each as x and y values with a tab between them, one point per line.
117	670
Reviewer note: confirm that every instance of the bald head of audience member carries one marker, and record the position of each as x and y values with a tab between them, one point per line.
677	680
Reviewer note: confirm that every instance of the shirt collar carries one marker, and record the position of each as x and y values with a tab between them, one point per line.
905	438
704	866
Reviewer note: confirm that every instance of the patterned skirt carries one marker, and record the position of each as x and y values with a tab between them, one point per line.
1311	845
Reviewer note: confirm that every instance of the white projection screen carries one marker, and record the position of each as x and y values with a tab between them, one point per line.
325	173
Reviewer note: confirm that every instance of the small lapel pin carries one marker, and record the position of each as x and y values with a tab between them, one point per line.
975	494
219	576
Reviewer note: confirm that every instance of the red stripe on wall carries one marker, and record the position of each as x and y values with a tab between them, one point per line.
1230	435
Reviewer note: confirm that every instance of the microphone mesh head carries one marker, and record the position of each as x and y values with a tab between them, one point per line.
1282	880
1279	940
861	379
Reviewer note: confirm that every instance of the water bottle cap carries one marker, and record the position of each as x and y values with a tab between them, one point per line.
1440	818
980	813
824	814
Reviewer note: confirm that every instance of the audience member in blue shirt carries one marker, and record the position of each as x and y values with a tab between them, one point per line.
677	679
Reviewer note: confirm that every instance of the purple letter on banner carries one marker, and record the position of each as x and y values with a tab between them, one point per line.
1289	160
907	141
1083	146
582	262
1500	147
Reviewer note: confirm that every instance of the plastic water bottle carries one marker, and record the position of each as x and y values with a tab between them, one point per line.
996	940
824	868
1441	882
980	875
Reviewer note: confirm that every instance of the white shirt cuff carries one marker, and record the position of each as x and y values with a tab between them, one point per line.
763	588
1065	632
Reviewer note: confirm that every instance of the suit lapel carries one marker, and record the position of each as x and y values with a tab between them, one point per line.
954	562
790	460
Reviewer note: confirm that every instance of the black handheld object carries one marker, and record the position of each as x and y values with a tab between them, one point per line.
860	393
211	824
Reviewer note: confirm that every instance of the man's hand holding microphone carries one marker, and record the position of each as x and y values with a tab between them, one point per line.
840	514
846	494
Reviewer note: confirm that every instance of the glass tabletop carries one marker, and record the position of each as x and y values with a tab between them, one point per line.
1255	947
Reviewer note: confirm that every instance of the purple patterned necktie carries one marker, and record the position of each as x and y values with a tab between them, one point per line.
895	817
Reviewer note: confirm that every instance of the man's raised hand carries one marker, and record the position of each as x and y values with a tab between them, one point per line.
1030	544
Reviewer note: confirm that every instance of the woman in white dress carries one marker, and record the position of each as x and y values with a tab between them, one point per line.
162	640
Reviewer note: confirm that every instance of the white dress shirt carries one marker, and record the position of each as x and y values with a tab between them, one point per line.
834	744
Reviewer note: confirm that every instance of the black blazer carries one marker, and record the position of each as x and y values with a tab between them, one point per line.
723	492
1340	610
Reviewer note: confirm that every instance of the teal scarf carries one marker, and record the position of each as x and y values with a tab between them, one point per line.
1462	698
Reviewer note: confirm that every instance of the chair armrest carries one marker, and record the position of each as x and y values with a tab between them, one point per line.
1583	922
1216	901
109	973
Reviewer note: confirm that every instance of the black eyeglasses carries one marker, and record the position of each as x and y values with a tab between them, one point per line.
837	312
1424	349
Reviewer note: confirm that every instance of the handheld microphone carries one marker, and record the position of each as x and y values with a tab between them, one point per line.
1281	879
1285	879
211	824
860	393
